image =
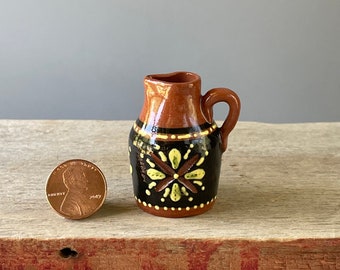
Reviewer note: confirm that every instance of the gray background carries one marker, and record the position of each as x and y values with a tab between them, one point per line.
86	59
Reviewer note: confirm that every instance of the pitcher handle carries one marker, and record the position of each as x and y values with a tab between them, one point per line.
214	96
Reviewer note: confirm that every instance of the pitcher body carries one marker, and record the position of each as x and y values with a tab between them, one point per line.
175	147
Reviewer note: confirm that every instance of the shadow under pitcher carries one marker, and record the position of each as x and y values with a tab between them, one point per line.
175	147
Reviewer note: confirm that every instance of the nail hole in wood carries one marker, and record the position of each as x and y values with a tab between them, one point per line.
68	253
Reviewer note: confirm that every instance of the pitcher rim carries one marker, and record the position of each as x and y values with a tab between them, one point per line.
177	77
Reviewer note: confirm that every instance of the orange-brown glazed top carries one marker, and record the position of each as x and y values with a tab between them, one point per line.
172	100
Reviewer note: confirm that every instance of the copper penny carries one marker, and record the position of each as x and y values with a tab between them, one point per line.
76	189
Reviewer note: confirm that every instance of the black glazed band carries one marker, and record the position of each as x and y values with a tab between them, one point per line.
154	129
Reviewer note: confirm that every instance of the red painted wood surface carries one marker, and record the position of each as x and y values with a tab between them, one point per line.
149	254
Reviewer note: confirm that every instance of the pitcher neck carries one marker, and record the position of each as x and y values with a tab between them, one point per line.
172	100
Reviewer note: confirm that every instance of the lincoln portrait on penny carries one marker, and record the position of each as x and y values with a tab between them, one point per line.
75	202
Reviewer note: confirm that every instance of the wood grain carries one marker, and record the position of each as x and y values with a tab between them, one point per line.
278	202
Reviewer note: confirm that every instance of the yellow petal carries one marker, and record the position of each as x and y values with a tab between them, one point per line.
155	174
175	194
196	174
175	158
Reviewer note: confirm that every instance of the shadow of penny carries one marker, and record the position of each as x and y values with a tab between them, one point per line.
110	209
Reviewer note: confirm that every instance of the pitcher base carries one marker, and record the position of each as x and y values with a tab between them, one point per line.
173	212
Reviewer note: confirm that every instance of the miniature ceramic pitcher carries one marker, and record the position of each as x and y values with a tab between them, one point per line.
175	147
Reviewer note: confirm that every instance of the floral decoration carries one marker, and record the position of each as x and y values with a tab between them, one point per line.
172	177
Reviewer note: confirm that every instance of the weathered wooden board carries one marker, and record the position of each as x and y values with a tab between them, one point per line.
176	254
278	202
